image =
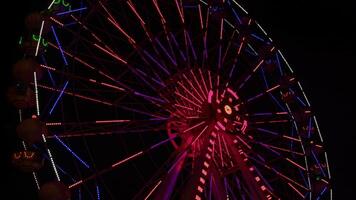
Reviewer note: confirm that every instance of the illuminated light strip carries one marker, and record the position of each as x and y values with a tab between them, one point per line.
57	22
232	93
111	54
199	85
179	83
71	11
154	188
185	107
200	17
39	38
221	125
291	138
163	20
74	57
244	142
240	6
305	96
285	61
58	98
210	82
135	12
180	11
36	94
121	30
86	79
112	86
97	192
273	88
75	184
51	159
190	101
258	65
71	151
112	121
203	80
76	95
259	26
295	189
36	180
194	126
53	123
327	165
173	60
50	5
272	121
126	159
191	85
210	95
199	135
296	164
283	149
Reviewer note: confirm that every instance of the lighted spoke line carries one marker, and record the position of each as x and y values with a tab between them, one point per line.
266	92
58	98
279	173
179	83
87	134
199	85
153	189
190	101
194	126
108	51
59	46
71	11
39	38
116	164
107	76
72	152
194	88
203	80
258	65
220	42
76	95
105	84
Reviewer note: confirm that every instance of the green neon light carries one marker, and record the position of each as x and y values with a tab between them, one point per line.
36	38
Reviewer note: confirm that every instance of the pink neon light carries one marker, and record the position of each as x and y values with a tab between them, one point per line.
210	95
221	126
135	11
200	189
126	159
244	127
75	184
111	121
232	93
120	29
111	54
202	180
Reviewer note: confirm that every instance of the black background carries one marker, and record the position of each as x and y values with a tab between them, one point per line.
318	38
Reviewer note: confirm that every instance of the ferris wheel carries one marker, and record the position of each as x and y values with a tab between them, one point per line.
157	99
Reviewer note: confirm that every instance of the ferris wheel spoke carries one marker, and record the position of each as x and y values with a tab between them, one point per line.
257	65
267	166
267	91
82	78
104	102
117	164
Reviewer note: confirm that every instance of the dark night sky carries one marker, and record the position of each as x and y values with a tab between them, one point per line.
318	39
